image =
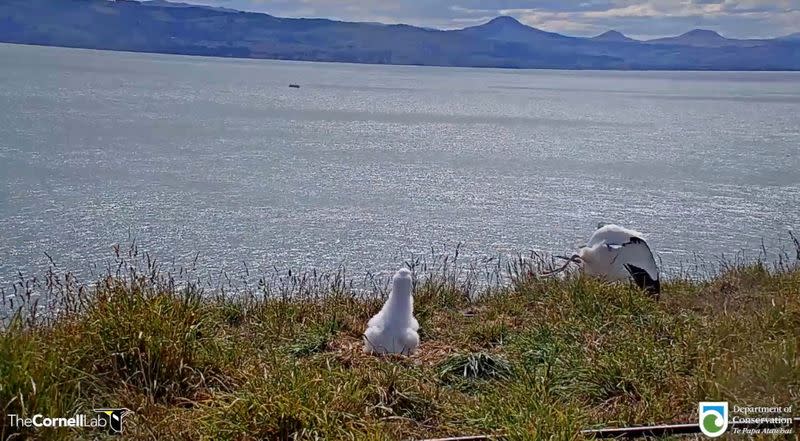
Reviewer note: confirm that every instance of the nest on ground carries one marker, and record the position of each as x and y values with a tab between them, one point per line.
349	351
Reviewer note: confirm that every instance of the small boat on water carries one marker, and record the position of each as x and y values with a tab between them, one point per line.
294	86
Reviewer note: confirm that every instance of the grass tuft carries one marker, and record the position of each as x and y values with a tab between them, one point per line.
480	366
315	341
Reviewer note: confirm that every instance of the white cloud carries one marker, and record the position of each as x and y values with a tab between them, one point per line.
642	18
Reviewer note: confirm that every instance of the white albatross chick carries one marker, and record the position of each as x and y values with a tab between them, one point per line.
393	330
616	253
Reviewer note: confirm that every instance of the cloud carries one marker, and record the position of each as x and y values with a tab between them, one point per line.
638	18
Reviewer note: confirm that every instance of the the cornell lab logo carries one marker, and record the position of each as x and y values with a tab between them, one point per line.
107	418
114	418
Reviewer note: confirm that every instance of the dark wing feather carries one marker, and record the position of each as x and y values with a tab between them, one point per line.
641	264
643	280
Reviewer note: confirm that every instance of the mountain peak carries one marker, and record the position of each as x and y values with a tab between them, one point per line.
176	4
696	37
612	35
505	20
509	29
704	33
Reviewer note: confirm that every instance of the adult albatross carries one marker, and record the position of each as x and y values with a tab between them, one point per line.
617	253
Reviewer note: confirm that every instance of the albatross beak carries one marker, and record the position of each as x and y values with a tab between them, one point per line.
572	259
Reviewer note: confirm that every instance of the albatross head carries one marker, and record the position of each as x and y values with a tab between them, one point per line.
402	283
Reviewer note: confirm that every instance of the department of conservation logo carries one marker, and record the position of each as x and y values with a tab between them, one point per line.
113	417
713	417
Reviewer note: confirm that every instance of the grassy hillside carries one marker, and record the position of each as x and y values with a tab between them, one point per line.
531	359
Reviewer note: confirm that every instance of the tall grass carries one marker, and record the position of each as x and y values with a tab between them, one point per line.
503	351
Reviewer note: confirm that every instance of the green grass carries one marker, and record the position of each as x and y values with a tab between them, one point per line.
532	359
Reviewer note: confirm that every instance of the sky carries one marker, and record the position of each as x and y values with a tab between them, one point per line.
636	18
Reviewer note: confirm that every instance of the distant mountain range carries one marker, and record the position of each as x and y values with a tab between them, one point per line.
180	28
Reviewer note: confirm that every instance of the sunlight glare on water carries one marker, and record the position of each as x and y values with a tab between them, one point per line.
363	165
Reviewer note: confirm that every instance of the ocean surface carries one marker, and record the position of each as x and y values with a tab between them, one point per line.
364	166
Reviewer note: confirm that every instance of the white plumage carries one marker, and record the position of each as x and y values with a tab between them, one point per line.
617	253
393	330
